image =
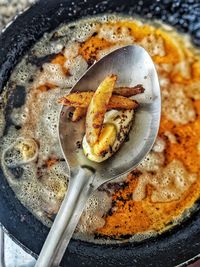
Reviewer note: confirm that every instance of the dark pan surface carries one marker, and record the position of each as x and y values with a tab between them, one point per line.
170	249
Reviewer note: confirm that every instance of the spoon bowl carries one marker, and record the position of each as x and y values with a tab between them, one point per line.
132	65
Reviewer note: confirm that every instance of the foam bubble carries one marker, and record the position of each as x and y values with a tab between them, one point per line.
84	32
169	183
53	74
23	72
159	145
92	218
155	46
171	137
193	90
152	162
175	103
115	34
45	47
77	66
71	50
22	151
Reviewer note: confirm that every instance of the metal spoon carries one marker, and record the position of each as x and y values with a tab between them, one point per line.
132	65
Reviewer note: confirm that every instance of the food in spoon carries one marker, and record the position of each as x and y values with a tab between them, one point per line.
109	115
129	91
81	102
83	99
78	114
116	126
97	109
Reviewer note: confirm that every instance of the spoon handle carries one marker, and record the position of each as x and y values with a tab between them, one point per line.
80	188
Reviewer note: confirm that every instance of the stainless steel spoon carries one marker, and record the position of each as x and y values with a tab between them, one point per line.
132	65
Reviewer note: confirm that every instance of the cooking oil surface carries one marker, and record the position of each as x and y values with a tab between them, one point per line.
164	187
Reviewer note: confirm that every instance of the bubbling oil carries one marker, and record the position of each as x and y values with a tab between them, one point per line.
31	157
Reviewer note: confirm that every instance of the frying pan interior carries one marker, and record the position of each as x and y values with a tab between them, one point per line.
169	249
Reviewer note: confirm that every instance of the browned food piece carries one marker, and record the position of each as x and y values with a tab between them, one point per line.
82	100
129	91
78	114
79	99
121	102
97	109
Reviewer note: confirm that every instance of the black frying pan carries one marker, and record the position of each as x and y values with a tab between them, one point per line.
169	249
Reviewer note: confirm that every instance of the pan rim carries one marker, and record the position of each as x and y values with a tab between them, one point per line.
4	33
